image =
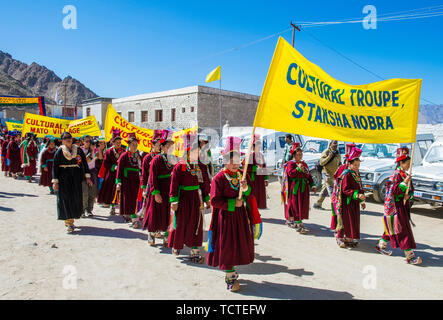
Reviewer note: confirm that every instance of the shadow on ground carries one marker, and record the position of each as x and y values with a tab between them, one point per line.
111	233
12	195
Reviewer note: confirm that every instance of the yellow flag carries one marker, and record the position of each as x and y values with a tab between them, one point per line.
299	97
214	75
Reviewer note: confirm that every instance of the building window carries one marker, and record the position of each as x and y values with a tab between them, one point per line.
192	109
158	115
144	116
131	116
173	114
183	110
88	112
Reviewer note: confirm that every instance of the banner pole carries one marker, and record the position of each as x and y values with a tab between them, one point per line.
410	172
245	169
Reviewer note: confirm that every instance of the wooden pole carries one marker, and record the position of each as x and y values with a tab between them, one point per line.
245	169
410	172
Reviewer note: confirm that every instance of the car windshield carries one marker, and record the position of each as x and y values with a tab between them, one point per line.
380	150
435	154
315	146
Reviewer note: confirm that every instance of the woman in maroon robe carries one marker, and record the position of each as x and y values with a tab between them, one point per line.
28	155
46	164
4	148
231	234
397	193
189	191
13	155
258	173
128	180
299	184
351	198
108	172
158	207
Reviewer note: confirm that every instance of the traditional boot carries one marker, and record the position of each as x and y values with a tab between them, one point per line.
165	239
135	222
381	247
69	224
411	259
151	239
301	228
196	257
112	212
340	242
231	281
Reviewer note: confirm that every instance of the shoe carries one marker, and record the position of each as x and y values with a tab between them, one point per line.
83	215
151	240
340	243
70	229
175	252
317	206
414	260
383	250
89	214
112	212
231	282
51	192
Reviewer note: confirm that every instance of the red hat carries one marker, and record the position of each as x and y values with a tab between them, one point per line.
354	153
166	135
294	147
402	154
115	135
349	147
232	145
131	137
156	136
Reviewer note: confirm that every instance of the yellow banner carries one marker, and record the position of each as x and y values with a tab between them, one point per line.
299	97
18	101
179	141
14	126
42	126
115	121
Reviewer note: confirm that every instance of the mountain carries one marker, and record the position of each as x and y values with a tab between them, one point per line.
34	79
430	114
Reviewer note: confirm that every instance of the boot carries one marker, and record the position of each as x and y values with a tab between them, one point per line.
231	281
411	259
381	247
151	239
196	257
112	212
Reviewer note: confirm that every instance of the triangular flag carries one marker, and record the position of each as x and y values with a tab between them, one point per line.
214	75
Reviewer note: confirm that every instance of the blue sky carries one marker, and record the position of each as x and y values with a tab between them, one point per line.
124	48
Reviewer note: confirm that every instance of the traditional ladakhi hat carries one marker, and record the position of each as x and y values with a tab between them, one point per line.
354	154
131	137
402	154
166	136
294	147
156	136
115	135
232	145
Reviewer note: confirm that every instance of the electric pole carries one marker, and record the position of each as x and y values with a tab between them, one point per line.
293	32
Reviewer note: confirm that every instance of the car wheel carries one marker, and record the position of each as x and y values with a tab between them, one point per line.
380	193
316	176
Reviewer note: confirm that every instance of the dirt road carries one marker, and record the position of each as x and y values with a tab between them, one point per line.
108	260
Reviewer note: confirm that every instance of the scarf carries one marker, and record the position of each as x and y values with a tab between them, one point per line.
69	155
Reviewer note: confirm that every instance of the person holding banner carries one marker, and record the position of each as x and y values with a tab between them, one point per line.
351	198
69	171
397	218
128	180
47	163
258	173
28	154
13	154
89	192
297	184
107	193
158	206
234	221
189	191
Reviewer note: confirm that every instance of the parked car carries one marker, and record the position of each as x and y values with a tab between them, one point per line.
378	162
428	177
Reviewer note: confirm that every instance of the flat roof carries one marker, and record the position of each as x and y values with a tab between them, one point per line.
186	90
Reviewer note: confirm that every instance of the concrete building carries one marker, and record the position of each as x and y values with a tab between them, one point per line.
96	107
181	108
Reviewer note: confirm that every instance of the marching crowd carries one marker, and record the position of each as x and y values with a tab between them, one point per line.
168	195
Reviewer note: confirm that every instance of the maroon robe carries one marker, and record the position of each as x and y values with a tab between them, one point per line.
47	162
405	238
188	217
128	173
107	191
157	214
337	175
232	237
258	174
4	146
31	152
350	190
13	155
297	205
